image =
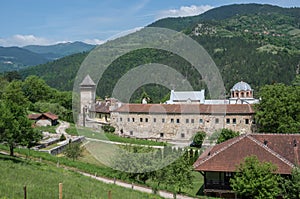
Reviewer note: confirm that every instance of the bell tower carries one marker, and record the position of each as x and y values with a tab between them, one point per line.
87	97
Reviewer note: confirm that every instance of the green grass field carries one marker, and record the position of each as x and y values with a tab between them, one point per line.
109	136
42	181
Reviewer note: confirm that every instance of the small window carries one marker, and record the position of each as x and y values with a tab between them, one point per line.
178	121
133	119
234	121
217	120
246	121
187	121
128	119
227	121
146	119
192	121
121	119
131	132
154	119
161	135
201	121
141	119
163	120
172	120
182	135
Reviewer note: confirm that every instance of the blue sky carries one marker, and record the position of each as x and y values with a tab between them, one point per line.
45	22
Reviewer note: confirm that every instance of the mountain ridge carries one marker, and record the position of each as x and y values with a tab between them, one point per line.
16	58
258	48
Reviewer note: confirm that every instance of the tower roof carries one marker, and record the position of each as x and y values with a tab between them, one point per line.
87	81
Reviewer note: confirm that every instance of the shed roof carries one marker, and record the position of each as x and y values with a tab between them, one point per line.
40	115
280	149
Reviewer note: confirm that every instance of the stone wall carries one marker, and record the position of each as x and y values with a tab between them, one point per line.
177	126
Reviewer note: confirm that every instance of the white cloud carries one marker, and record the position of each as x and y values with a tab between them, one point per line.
23	40
184	11
94	41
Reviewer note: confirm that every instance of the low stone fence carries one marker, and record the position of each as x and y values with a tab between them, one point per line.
59	149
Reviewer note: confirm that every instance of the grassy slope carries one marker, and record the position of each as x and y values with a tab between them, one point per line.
110	137
42	182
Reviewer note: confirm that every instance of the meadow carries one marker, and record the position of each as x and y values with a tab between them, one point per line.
42	181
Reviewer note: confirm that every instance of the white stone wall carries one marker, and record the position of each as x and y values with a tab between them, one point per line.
176	126
87	98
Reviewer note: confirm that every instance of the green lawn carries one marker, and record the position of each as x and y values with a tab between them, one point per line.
89	133
50	129
88	163
42	182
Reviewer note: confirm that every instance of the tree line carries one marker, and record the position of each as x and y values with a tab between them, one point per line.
18	98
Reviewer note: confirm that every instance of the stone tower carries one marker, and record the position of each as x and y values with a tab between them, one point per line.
87	98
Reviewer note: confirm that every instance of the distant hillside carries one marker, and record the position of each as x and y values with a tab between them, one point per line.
15	58
60	50
259	44
59	73
225	12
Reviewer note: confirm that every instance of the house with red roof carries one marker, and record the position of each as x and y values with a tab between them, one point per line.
44	119
219	163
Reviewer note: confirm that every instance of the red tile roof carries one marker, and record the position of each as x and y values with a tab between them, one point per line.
40	115
50	115
33	116
187	108
103	107
281	149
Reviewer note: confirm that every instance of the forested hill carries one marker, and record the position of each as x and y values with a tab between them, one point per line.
58	74
259	44
226	12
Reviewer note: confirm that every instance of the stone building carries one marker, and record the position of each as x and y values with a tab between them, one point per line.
180	121
188	113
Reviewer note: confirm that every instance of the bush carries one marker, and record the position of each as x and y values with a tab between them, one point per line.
62	137
198	139
108	129
227	134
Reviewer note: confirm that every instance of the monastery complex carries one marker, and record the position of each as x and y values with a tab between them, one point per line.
176	120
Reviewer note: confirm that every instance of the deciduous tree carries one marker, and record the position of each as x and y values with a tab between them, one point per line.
73	150
226	134
254	179
15	127
279	109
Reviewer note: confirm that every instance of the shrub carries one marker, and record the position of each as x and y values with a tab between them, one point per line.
108	129
227	134
62	137
198	139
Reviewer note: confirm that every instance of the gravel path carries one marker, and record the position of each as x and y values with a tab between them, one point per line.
163	194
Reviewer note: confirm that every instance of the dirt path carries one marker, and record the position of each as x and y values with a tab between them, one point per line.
163	194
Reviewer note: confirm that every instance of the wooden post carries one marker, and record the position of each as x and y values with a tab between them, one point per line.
25	192
109	194
60	190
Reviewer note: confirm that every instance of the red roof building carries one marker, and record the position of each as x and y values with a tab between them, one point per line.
219	163
44	116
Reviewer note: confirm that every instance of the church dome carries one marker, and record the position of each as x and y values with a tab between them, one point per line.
241	86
